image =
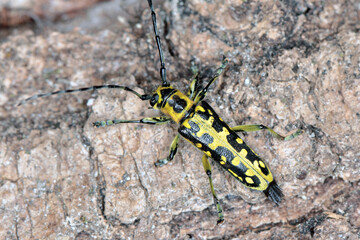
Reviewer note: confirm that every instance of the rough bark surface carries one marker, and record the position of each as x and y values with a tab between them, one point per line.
13	13
292	64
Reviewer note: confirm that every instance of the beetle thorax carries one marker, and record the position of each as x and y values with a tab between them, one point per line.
172	102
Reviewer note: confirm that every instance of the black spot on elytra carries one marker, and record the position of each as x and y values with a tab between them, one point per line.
256	181
206	139
241	173
204	115
194	127
231	138
217	125
222	151
264	170
251	155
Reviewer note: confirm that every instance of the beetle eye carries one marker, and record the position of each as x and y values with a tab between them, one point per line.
154	99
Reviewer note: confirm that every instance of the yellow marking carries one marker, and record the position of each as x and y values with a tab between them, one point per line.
236	161
243	153
214	144
225	131
199	145
240	178
239	140
249	172
200	108
221	119
233	173
210	112
223	160
256	164
249	180
211	120
262	164
208	153
186	124
217	141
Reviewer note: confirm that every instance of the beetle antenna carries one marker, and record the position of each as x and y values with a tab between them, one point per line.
142	97
158	42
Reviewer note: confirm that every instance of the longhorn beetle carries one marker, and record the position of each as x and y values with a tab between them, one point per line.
202	127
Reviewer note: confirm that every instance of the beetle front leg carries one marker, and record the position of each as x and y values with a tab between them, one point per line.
202	93
148	120
194	85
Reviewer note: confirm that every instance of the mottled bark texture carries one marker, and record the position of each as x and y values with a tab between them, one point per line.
291	64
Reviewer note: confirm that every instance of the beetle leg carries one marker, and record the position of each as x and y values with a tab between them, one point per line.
253	128
194	85
202	93
207	167
173	150
149	120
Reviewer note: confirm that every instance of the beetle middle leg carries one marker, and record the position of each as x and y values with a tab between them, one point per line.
173	150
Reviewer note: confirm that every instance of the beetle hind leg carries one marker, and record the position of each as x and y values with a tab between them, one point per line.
207	167
253	128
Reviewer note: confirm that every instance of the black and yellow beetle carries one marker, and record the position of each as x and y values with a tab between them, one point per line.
202	127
